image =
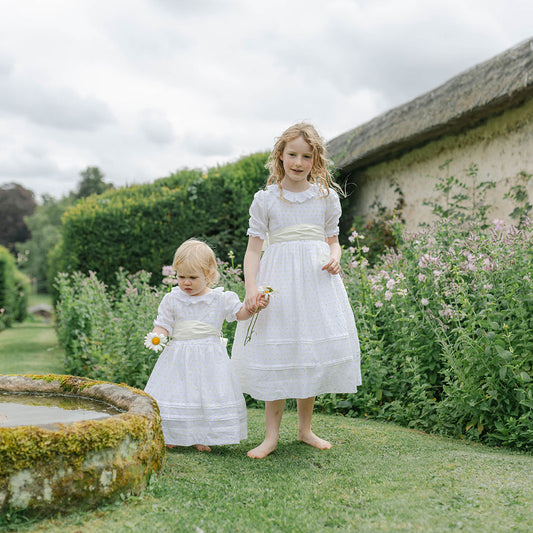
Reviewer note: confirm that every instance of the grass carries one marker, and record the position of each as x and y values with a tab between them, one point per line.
31	347
377	477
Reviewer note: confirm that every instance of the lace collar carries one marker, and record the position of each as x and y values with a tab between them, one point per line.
297	197
193	300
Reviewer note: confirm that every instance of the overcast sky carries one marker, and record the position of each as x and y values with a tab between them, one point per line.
141	88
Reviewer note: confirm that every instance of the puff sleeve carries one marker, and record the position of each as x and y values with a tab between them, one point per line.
333	214
232	304
258	224
165	315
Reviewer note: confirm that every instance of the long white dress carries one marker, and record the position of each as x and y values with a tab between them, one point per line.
305	342
192	381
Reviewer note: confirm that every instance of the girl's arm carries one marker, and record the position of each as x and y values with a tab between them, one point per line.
252	258
335	252
160	331
244	314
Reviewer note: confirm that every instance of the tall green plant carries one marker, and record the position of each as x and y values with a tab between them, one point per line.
102	328
446	325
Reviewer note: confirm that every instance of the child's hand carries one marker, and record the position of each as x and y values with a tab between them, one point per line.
262	301
332	266
250	300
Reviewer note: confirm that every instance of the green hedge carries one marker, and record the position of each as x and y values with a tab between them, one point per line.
140	227
14	290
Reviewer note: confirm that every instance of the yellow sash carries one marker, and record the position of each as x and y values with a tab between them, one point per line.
298	232
183	330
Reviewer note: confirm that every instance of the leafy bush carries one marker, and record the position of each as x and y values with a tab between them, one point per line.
139	227
445	320
446	325
14	291
44	225
102	329
7	284
22	290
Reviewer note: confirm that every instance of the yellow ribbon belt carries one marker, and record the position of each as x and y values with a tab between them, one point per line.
298	232
183	330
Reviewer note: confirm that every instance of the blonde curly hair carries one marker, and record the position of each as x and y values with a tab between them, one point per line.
322	166
197	255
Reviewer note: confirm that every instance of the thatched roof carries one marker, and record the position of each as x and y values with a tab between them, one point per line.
483	91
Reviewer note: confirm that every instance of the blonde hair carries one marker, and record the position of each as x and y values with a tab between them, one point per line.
321	169
197	255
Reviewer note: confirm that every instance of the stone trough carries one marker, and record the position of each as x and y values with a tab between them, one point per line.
49	466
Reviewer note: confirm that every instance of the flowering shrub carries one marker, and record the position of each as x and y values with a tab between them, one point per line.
445	322
446	328
102	330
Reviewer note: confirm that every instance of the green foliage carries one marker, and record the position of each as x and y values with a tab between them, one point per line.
22	288
446	325
445	320
92	182
14	291
382	227
519	195
140	227
102	329
44	225
15	203
7	286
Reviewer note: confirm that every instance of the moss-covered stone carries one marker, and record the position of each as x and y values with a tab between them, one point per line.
63	465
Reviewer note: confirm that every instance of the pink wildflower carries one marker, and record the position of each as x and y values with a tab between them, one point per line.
499	224
168	271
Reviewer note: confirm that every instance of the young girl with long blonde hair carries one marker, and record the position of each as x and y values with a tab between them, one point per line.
305	343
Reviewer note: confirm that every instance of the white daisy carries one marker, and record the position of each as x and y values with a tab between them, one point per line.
154	341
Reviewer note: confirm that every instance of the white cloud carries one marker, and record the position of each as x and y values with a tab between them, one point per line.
141	88
56	107
156	127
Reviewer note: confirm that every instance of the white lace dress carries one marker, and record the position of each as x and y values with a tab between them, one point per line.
192	381
305	343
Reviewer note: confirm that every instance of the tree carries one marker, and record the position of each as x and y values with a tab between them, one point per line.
16	202
44	224
92	182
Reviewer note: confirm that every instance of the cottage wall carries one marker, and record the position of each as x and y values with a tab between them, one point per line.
501	146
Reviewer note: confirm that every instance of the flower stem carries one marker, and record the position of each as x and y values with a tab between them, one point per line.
251	325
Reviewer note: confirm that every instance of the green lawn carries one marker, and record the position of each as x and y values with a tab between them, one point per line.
377	477
30	348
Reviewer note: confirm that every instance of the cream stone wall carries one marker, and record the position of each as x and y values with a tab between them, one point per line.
501	146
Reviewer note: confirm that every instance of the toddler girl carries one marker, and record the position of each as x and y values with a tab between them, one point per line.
306	343
192	381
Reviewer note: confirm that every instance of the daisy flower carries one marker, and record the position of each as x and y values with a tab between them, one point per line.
155	341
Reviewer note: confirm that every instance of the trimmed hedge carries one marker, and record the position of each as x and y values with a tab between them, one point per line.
140	227
14	290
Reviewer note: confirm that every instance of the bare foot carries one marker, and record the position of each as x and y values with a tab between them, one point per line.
202	448
264	449
311	439
171	446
